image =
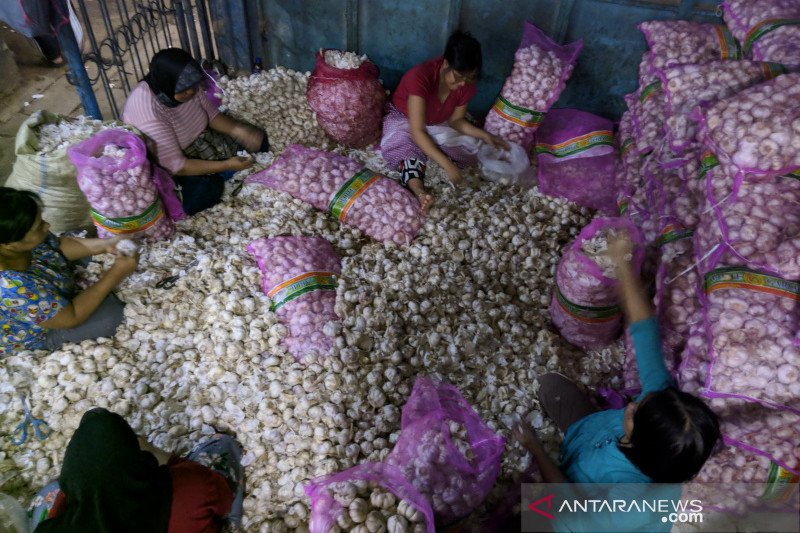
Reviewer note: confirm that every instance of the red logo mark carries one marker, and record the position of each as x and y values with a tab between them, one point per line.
535	506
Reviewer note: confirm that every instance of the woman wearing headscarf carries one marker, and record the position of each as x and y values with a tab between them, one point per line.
190	137
114	482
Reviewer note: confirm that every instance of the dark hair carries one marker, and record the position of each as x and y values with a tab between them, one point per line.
18	213
463	52
673	434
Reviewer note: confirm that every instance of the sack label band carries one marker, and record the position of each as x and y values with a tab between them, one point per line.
348	193
297	286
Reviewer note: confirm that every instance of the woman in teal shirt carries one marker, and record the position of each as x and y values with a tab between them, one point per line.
665	436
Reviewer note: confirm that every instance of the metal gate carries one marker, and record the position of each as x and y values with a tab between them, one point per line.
117	38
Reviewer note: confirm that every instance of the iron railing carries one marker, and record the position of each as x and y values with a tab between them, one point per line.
121	36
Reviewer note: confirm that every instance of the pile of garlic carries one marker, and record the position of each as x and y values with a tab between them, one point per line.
274	100
67	132
367	507
344	60
465	302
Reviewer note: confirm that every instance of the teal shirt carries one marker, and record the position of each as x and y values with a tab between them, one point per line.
589	453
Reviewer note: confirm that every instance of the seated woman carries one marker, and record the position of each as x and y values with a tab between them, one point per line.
665	436
39	305
435	92
190	137
111	481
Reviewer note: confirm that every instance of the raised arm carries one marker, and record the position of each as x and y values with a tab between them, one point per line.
642	325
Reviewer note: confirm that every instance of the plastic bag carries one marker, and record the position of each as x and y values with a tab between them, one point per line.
446	451
507	167
757	131
752	319
299	274
768	29
541	68
577	158
114	174
687	86
325	509
353	194
679	42
51	175
12	516
348	102
584	306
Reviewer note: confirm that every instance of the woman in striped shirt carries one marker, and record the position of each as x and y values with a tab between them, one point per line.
188	135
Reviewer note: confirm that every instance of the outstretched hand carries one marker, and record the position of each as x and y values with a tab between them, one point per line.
496	142
525	435
620	248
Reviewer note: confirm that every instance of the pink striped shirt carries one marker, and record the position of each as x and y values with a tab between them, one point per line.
170	129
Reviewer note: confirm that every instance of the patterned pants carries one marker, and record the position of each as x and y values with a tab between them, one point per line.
212	145
397	144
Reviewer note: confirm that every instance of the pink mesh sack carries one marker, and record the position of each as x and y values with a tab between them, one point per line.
351	193
348	102
768	29
577	158
750	223
541	68
299	275
332	498
757	131
752	481
687	86
584	306
446	451
678	42
694	360
753	427
114	173
751	319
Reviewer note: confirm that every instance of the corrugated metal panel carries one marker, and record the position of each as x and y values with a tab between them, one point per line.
398	35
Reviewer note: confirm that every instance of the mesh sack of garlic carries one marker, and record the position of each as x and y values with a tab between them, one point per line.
351	193
541	68
445	450
345	93
584	306
688	86
757	131
114	174
677	206
760	429
691	375
768	29
752	223
680	42
299	275
572	145
752	319
626	140
368	497
752	480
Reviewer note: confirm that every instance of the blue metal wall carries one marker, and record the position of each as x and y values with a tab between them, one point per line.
397	34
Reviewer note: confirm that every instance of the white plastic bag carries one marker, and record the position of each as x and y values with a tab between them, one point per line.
507	167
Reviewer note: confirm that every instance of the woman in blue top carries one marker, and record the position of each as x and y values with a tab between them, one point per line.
665	436
40	307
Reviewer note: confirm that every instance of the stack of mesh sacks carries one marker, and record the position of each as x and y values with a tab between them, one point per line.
709	172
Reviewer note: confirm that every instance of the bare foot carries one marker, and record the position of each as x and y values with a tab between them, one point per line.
425	199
